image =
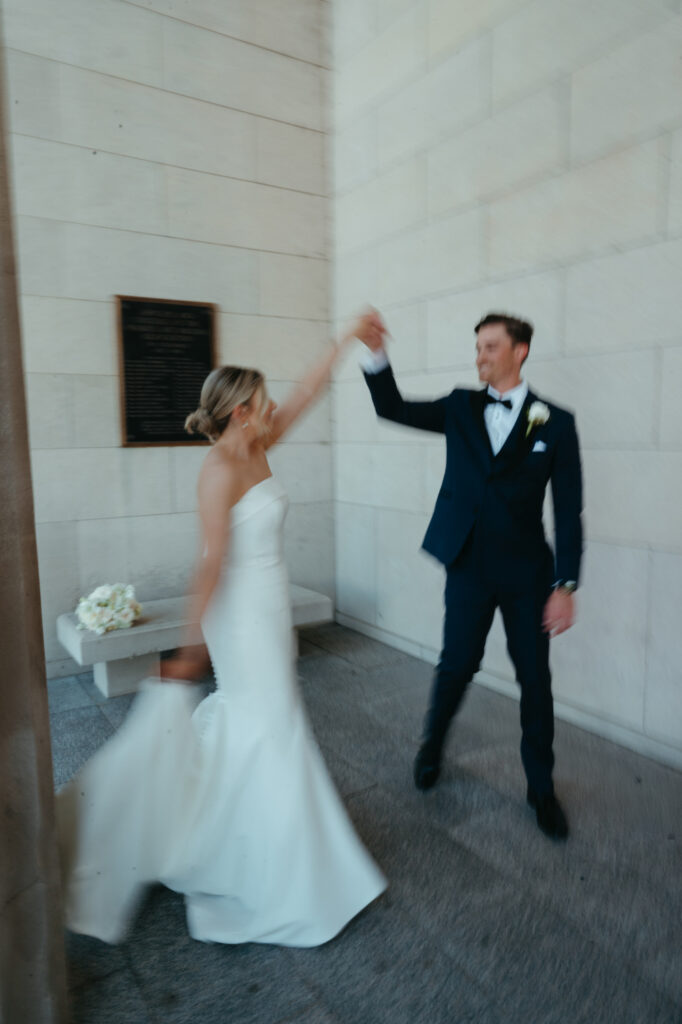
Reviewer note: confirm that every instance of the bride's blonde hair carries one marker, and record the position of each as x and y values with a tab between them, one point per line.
223	390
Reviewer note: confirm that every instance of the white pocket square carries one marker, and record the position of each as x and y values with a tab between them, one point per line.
539	446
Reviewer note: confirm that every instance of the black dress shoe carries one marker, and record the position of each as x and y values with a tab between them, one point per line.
551	818
427	766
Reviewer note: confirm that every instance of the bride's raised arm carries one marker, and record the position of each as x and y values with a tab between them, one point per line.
366	328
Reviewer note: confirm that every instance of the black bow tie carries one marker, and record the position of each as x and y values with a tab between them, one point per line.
490	400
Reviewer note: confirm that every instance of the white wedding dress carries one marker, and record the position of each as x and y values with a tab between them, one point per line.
227	800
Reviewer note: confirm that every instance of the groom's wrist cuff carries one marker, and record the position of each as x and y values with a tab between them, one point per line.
568	585
373	362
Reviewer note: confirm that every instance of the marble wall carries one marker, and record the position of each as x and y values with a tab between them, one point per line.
523	155
172	149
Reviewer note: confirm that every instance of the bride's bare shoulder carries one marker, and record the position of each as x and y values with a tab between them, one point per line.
218	477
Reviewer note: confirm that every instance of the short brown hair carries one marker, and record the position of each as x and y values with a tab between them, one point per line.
520	331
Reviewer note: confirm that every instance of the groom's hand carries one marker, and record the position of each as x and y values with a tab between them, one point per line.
370	329
559	614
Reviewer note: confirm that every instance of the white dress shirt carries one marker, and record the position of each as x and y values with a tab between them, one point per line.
499	420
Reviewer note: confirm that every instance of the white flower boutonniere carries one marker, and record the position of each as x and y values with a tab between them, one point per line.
538	413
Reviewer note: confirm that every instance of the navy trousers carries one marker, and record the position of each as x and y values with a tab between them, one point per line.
473	591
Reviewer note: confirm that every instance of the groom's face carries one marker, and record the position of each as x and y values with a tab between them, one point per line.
498	360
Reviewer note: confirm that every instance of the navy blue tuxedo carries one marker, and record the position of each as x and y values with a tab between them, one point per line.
488	532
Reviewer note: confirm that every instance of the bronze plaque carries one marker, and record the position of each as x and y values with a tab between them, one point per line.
166	351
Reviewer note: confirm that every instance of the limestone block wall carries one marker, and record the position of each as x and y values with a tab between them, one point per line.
172	149
523	155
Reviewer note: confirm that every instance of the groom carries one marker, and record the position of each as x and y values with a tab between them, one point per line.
503	447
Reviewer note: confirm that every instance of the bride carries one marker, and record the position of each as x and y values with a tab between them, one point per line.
226	800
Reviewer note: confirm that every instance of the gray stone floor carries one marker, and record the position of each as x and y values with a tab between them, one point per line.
485	920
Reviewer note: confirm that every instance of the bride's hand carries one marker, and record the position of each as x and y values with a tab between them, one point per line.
190	664
369	328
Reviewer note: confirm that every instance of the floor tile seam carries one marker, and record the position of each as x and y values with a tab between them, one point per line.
429	936
443	831
59	681
53	692
84	682
53	711
487	786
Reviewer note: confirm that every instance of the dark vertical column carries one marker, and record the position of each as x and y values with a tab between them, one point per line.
32	962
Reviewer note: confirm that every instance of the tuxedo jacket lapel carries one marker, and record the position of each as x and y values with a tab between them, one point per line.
479	431
517	445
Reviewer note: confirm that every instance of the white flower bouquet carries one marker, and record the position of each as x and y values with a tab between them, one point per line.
111	606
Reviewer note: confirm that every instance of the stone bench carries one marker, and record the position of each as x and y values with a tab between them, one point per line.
123	657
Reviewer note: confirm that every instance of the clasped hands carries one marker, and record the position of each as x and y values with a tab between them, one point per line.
369	328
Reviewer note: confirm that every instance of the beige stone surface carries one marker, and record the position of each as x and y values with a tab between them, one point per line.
610	202
670	406
94	110
273	24
389	203
550	138
663	697
33	29
624	300
283	348
631	91
451	318
356	560
187	160
614	396
451	24
380	66
255	216
214	67
291	286
498	153
409	583
432	105
674	220
546	38
634	497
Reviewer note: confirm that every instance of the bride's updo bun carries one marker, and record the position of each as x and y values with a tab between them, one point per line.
223	390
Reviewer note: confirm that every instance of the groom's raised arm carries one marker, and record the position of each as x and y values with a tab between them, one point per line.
390	404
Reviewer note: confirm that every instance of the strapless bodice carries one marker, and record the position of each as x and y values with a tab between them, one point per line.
257	522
